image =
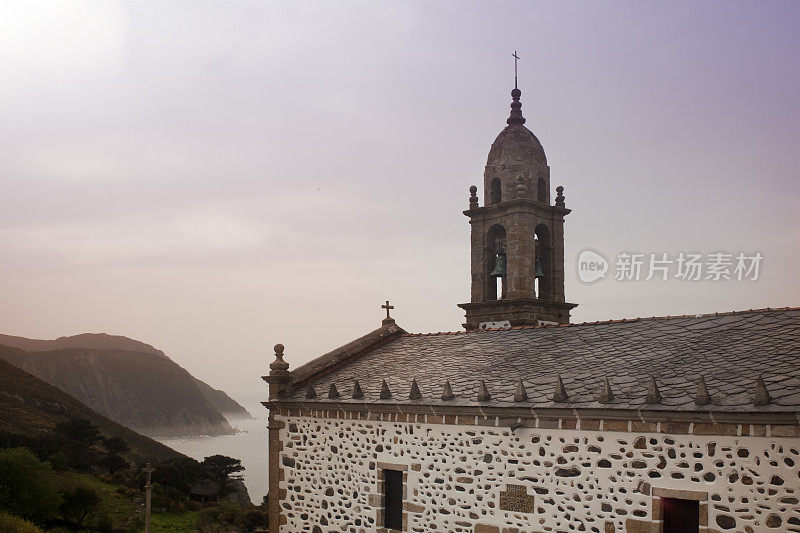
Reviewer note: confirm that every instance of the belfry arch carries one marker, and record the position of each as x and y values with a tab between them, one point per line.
496	264
542	262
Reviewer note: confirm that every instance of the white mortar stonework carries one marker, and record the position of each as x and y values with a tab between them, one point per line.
581	480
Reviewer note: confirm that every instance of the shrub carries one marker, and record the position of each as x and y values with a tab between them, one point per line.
225	514
255	518
13	524
27	488
77	504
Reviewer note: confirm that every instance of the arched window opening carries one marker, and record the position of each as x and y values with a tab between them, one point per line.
541	190
537	266
542	252
495	192
496	265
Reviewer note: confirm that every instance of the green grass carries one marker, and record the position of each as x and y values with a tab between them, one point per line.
168	522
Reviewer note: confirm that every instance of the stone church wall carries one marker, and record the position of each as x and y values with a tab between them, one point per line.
458	476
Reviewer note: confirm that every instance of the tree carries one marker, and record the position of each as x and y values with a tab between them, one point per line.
115	445
219	469
27	488
114	463
77	504
79	430
178	472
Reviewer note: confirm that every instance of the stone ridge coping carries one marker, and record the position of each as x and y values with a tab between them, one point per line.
604	322
345	353
531	417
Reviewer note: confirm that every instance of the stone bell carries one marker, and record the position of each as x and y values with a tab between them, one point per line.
499	266
539	271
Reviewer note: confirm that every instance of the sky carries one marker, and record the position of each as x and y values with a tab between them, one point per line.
216	178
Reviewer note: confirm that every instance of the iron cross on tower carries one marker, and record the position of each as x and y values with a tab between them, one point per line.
516	57
387	307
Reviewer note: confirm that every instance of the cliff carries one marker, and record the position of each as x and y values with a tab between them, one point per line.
30	406
138	387
103	341
222	402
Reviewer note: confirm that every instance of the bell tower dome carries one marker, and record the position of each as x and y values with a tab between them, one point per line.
517	237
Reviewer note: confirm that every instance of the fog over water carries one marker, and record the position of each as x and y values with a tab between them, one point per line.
213	178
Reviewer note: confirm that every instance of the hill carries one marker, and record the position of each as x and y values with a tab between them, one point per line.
31	406
103	341
144	391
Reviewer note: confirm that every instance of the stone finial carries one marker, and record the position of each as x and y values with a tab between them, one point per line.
333	392
310	392
653	394
516	108
761	396
520	190
606	395
385	392
357	392
278	366
560	196
483	392
702	397
473	197
279	378
520	395
447	391
560	394
415	394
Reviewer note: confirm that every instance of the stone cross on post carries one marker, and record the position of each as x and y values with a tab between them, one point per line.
388	319
148	491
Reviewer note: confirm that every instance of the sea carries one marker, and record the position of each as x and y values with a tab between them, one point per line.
249	445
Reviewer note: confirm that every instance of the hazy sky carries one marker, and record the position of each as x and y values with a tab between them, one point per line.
214	178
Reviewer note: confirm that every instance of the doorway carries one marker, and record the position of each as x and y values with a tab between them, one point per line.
680	516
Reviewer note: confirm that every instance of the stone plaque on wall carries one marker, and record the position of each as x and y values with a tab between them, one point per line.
516	498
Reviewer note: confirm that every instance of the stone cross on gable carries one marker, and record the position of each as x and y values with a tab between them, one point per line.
387	307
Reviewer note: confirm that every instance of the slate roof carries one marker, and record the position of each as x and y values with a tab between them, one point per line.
730	350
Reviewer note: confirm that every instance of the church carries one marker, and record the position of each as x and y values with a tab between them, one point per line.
526	422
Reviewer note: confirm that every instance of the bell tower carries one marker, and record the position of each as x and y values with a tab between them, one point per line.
517	237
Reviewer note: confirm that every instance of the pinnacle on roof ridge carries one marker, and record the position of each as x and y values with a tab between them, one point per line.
606	395
310	392
483	392
357	392
333	392
447	391
761	396
702	397
653	394
560	393
385	392
520	395
415	394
